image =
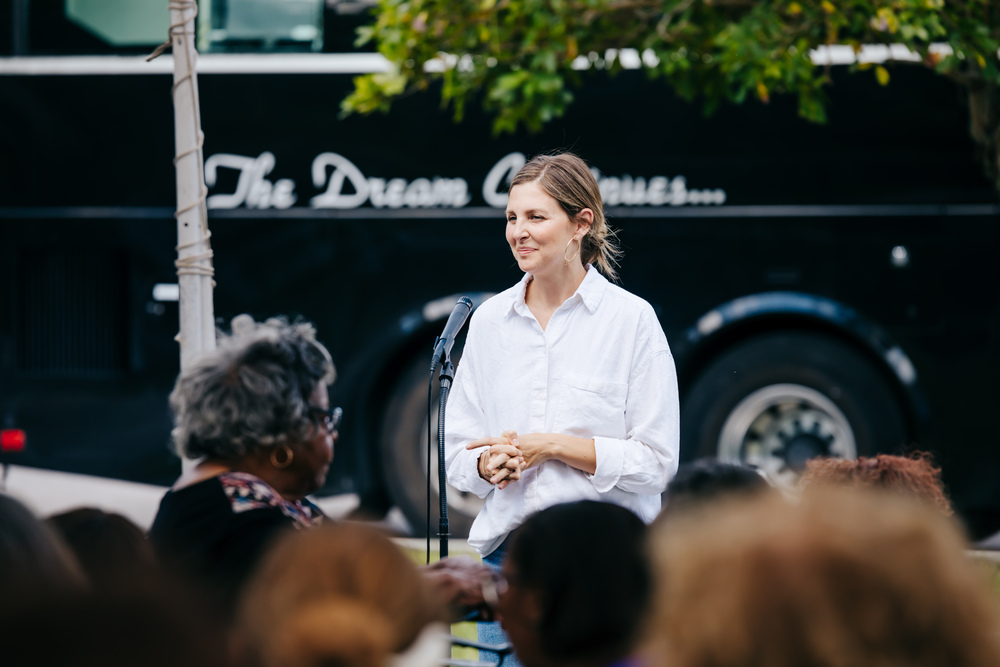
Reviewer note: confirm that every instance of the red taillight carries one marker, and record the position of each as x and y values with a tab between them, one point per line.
12	440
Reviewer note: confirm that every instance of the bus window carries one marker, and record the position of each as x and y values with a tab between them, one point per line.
257	26
93	27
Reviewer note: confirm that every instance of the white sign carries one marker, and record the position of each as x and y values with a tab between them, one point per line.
344	186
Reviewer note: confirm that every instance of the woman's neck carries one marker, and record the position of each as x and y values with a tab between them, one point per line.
549	291
200	472
256	463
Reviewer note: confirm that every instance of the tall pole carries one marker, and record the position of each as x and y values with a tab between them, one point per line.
194	251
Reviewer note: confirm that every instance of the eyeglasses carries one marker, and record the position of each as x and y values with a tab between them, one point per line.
493	585
331	417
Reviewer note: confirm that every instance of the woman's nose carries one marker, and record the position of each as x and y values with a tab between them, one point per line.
520	229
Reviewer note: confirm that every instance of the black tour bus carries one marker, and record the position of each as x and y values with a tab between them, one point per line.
826	290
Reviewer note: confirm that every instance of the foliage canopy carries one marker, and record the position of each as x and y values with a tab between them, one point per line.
524	56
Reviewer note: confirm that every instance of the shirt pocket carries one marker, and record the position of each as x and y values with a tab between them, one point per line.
590	406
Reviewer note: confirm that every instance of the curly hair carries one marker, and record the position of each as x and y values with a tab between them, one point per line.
251	392
915	475
846	577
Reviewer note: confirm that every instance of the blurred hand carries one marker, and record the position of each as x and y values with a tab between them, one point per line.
457	582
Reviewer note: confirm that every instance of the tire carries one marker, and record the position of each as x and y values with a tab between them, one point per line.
778	399
404	450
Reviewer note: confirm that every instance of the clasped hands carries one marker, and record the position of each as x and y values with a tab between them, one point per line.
508	456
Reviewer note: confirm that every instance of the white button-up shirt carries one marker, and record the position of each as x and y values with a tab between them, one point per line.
601	369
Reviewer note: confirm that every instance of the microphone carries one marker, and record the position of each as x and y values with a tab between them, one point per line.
444	343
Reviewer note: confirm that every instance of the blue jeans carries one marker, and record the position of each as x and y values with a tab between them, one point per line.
492	633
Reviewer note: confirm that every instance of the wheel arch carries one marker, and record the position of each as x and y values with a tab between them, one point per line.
746	316
395	346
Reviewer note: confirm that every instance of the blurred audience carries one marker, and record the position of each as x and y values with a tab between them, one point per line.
340	595
34	561
113	552
707	480
844	578
257	415
578	584
913	475
110	629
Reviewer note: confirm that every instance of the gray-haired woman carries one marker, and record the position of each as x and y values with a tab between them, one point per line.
257	415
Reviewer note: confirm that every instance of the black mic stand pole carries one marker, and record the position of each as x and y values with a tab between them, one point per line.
447	375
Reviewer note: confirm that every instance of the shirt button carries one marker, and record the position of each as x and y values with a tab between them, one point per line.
539	396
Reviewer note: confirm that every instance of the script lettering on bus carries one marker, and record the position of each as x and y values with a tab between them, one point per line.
615	190
252	188
344	186
391	193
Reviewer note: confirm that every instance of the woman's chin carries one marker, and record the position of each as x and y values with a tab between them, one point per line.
528	264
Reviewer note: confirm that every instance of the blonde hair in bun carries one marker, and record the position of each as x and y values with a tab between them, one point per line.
328	581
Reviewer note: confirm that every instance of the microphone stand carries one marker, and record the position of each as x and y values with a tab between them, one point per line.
447	375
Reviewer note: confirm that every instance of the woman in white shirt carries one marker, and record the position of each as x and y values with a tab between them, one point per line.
566	389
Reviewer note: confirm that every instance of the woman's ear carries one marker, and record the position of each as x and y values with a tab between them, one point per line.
584	219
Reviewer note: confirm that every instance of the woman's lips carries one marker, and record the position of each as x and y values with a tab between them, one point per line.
525	251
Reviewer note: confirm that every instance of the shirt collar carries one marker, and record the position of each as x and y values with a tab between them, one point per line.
590	292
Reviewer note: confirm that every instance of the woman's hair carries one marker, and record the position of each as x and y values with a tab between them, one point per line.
587	563
913	475
567	179
34	561
335	595
113	551
843	578
251	392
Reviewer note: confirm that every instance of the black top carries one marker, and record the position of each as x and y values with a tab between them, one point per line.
215	531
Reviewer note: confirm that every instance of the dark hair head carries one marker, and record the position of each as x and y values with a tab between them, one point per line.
101	629
567	179
112	550
251	392
33	559
707	480
587	563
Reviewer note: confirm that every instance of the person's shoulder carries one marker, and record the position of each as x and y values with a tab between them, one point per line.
497	306
622	298
198	509
194	497
247	492
639	316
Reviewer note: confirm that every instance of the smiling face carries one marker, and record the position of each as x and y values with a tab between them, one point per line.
539	230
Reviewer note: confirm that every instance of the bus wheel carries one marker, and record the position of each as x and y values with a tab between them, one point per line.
779	399
404	456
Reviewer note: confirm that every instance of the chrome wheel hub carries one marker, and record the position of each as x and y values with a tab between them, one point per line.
779	427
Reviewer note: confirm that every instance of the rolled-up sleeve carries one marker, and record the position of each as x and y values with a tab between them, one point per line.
646	459
465	423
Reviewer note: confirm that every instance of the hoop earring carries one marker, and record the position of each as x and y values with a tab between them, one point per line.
573	256
289	455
